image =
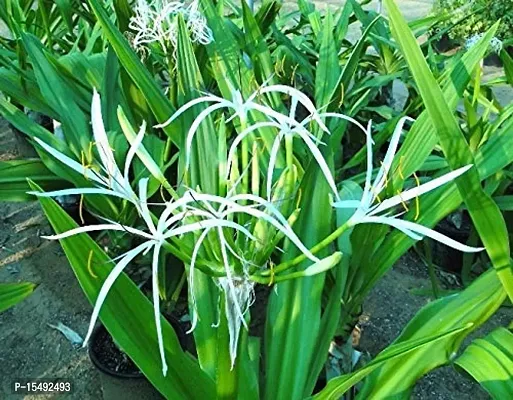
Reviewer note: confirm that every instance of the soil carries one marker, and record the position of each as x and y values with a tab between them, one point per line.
30	347
110	357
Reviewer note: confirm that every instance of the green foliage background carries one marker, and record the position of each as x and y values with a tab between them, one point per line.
487	12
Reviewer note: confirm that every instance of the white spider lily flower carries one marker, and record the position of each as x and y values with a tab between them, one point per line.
369	212
238	289
241	109
166	228
110	180
155	22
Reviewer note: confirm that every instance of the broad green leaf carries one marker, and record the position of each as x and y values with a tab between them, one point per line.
422	138
128	314
60	96
14	175
393	353
473	307
203	172
13	293
485	214
335	287
490	362
294	311
26	93
328	69
158	102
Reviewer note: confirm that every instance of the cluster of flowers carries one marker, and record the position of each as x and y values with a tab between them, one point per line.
155	21
204	214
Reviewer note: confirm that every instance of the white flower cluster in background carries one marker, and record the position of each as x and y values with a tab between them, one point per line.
495	43
155	21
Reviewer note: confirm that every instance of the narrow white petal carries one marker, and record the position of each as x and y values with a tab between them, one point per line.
396	223
419	190
367	196
109	281
240	137
185	107
195	125
70	162
381	178
424	231
83	229
101	139
346	204
145	212
273	156
77	191
194	255
134	147
156	306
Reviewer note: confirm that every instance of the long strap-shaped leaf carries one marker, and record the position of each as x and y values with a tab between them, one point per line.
485	214
128	314
490	362
338	386
13	293
472	306
158	102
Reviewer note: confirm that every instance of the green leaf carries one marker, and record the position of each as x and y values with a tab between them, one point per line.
158	102
490	362
473	307
60	96
294	311
14	175
485	214
13	293
328	69
128	314
394	353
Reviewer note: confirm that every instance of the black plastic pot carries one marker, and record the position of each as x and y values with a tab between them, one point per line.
120	377
446	257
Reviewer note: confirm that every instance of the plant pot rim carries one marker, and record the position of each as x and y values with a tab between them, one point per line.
98	364
100	328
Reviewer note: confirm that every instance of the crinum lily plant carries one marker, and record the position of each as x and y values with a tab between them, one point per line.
237	233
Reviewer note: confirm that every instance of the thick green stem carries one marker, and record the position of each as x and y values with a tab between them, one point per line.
318	247
227	377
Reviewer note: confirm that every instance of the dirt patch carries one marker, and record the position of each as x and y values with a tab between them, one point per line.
30	348
384	324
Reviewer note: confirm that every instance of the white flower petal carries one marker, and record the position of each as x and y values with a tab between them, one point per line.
346	204
381	178
109	281
102	142
185	107
424	231
156	306
417	191
78	191
70	163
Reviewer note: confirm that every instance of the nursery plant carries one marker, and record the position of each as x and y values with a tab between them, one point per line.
217	134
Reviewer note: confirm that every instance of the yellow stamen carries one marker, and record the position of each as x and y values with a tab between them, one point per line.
90	265
402	202
271	282
417	200
293	76
385	176
401	167
80	208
